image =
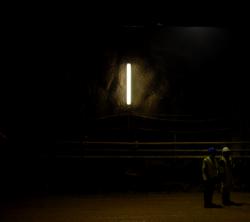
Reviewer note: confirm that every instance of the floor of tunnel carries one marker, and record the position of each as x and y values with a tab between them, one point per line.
124	207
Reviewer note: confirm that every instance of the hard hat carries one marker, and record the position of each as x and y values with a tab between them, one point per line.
211	150
225	149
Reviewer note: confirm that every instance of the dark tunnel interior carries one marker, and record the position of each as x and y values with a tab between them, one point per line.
65	125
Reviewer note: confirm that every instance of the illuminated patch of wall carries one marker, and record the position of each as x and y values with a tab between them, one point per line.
145	93
150	84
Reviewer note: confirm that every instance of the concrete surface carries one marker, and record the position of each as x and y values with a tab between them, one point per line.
130	207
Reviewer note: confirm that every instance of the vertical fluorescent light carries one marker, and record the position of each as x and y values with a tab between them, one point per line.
129	75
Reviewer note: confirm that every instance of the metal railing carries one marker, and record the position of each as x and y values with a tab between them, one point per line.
136	149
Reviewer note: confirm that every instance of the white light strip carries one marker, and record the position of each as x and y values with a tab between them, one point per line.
129	75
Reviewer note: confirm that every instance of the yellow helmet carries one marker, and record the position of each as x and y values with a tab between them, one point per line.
225	149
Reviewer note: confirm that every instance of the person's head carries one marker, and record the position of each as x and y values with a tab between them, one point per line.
211	151
226	152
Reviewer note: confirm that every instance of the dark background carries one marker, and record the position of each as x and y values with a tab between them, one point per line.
54	69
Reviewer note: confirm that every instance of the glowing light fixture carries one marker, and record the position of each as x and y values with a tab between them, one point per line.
129	77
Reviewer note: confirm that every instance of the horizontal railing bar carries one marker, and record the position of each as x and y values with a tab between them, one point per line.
139	156
164	143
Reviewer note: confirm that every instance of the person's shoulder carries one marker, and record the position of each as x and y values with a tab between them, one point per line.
205	158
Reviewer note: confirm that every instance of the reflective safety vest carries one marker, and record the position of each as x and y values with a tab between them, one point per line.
226	167
209	168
